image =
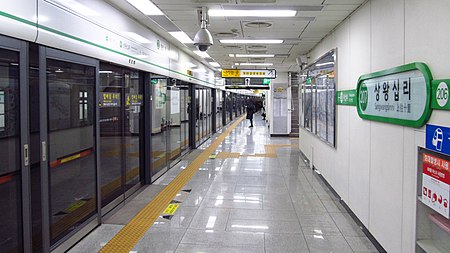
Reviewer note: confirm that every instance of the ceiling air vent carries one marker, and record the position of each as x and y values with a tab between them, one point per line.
231	47
258	24
226	35
258	48
256	51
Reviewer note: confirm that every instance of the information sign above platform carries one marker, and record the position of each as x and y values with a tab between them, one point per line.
251	73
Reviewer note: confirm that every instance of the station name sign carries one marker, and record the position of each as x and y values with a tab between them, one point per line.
399	95
249	73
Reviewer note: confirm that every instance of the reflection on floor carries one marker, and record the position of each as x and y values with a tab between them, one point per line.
263	198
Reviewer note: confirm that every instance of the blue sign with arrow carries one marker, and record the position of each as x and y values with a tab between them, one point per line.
438	138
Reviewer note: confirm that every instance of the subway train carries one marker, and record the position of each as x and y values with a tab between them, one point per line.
93	105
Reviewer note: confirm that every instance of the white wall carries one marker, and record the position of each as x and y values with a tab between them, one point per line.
373	167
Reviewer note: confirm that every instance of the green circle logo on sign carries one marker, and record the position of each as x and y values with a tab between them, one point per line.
442	94
363	96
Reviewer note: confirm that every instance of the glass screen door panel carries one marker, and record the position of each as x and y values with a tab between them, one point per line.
159	129
111	131
198	125
133	116
71	145
10	162
174	123
184	113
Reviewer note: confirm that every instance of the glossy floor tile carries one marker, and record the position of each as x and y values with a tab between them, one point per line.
247	203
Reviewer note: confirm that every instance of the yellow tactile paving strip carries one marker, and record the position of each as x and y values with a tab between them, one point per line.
270	152
125	240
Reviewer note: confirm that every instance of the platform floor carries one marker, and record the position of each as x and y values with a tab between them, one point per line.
255	194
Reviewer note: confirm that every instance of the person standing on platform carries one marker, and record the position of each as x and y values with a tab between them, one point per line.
250	110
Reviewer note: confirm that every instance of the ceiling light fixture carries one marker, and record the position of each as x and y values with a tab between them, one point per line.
182	37
214	64
324	64
252	13
241	41
202	54
146	7
252	55
137	37
253	64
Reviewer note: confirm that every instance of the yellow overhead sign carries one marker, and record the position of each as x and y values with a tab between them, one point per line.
250	73
231	73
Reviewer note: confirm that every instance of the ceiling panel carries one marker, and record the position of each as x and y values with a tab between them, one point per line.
305	30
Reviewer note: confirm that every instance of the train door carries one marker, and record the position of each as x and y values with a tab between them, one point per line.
174	123
68	139
15	234
121	113
159	129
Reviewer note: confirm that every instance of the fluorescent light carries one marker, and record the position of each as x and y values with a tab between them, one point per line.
146	7
105	72
202	54
253	64
137	37
214	64
182	37
238	41
324	64
252	13
252	55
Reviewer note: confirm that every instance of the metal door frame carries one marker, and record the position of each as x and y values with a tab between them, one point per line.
67	241
21	47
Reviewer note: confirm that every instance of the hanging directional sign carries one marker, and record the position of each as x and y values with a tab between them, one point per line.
399	95
258	73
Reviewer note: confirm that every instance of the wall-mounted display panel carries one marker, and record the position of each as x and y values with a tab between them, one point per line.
318	97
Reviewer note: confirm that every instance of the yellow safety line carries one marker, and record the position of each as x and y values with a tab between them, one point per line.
125	240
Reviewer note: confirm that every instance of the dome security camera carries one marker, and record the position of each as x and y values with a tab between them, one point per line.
203	39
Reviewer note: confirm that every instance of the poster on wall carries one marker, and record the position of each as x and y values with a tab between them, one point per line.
436	181
160	95
174	101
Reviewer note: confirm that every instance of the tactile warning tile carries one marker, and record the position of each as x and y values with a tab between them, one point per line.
125	240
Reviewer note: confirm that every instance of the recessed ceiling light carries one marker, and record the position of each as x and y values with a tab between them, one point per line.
251	41
137	37
182	37
146	7
202	54
214	64
324	64
252	55
252	13
253	64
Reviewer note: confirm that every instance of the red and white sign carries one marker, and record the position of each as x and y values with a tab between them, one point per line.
436	184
